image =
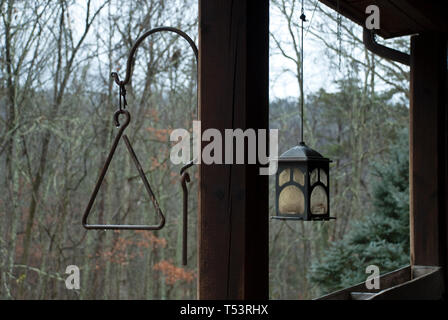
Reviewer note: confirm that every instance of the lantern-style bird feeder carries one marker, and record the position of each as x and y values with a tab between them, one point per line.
302	185
303	178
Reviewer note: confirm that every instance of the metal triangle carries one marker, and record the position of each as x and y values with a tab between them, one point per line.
142	176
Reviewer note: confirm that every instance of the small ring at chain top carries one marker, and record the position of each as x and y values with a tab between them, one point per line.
117	116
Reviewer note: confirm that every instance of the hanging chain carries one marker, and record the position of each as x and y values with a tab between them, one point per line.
339	34
303	18
122	97
122	103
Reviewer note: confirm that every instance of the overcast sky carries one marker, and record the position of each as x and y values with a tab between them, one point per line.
317	71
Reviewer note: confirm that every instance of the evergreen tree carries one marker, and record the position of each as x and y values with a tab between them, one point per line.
381	239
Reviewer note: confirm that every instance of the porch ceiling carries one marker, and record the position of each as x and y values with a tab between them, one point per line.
397	17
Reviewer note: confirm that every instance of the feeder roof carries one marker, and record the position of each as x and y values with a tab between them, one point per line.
300	153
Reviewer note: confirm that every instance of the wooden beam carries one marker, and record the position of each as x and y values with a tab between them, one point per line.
428	149
387	280
233	213
407	283
397	17
428	285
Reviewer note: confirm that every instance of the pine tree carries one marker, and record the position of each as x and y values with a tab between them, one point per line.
381	239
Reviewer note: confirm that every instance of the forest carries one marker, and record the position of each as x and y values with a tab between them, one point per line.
57	101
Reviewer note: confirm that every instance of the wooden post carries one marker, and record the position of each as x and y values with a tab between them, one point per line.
428	150
233	209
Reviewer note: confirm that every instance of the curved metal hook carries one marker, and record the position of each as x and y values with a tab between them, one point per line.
143	37
185	167
129	63
134	48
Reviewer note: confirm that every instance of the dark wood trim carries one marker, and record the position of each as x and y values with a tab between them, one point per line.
233	214
386	281
444	181
408	283
426	284
428	148
398	17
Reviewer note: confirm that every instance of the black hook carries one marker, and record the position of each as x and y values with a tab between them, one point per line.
134	48
143	37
